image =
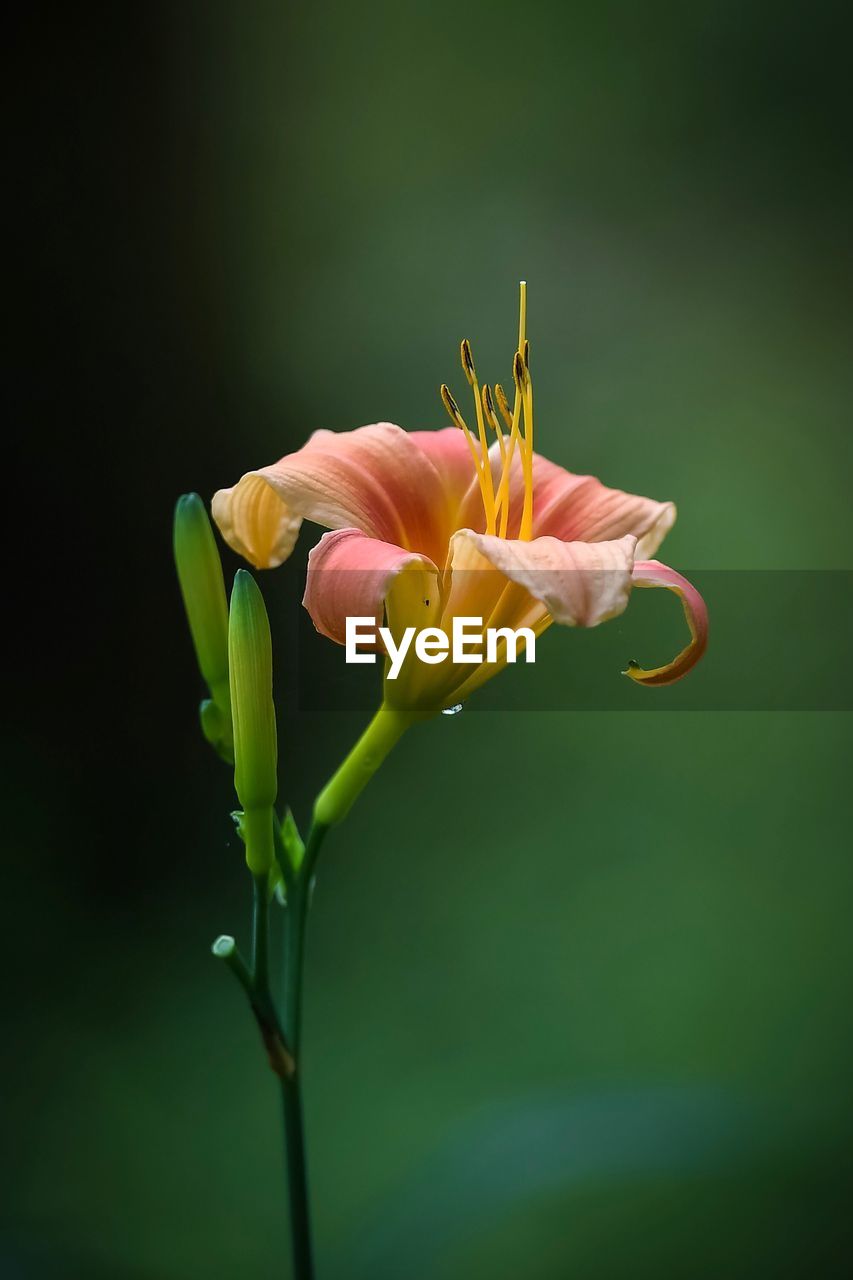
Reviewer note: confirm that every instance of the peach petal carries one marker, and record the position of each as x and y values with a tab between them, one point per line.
448	452
375	479
530	584
651	573
578	508
351	575
578	583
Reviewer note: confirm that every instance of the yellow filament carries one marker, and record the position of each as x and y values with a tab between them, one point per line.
503	405
503	488
486	484
523	401
494	423
502	501
526	528
481	457
512	421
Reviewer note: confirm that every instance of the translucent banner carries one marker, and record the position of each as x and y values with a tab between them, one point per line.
779	640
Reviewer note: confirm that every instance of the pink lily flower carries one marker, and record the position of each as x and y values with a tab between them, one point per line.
431	525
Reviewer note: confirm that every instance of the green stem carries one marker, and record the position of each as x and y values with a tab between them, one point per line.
331	806
298	902
297	1179
225	948
260	936
282	1038
342	790
255	982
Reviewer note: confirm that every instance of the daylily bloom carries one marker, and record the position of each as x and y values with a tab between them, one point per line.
430	525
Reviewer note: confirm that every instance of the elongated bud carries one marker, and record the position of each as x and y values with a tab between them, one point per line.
203	591
255	741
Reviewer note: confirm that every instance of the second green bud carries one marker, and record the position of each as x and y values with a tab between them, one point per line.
253	711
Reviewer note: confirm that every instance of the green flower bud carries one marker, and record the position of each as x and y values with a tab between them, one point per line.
203	590
255	743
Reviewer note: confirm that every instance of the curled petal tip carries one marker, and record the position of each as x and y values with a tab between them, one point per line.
651	573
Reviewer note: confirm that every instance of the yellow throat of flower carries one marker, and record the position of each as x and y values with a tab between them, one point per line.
496	495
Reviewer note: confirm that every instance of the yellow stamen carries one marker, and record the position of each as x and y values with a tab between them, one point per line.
496	499
483	479
503	488
467	360
526	529
486	483
494	423
519	372
503	405
458	421
452	408
523	400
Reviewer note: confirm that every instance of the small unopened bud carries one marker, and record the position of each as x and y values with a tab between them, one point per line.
255	740
203	591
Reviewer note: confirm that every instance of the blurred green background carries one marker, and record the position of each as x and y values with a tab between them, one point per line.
578	984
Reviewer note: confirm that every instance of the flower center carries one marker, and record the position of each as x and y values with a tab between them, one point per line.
495	485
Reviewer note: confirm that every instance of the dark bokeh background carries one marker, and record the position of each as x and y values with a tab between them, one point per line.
578	986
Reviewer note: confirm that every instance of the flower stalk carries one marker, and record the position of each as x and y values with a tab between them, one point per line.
344	787
426	529
296	920
274	853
